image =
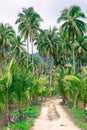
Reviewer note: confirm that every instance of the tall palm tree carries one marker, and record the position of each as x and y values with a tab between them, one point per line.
23	27
66	47
29	22
40	40
49	49
46	45
73	26
7	35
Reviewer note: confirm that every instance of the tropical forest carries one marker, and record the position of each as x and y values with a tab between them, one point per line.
38	89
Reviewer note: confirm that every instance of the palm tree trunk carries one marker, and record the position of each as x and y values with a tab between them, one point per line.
7	109
17	55
67	62
75	100
74	70
50	74
32	55
73	53
20	106
42	68
20	112
75	103
4	55
80	64
27	50
84	105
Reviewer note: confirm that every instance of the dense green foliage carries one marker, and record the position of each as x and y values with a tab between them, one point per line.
78	116
30	112
60	69
23	125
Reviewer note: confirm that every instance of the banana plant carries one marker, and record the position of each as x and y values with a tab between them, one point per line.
5	84
74	87
20	83
84	87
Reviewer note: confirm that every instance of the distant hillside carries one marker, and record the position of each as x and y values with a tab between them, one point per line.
40	58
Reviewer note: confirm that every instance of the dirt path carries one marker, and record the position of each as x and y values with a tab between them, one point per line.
53	117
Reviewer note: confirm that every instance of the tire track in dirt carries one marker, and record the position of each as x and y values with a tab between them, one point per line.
53	117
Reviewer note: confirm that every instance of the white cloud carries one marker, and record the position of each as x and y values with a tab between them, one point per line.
49	10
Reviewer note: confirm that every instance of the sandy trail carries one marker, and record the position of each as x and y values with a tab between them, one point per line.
53	117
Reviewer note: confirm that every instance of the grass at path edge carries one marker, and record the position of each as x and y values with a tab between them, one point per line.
30	112
77	115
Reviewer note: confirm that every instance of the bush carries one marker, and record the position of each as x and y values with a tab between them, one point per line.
30	112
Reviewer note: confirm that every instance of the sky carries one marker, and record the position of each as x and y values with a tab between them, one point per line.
49	10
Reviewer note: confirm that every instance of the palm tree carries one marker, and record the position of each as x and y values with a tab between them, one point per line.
63	85
75	86
69	86
79	53
29	22
84	47
7	35
40	40
20	83
66	49
17	48
47	45
73	27
5	84
83	88
23	28
53	43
